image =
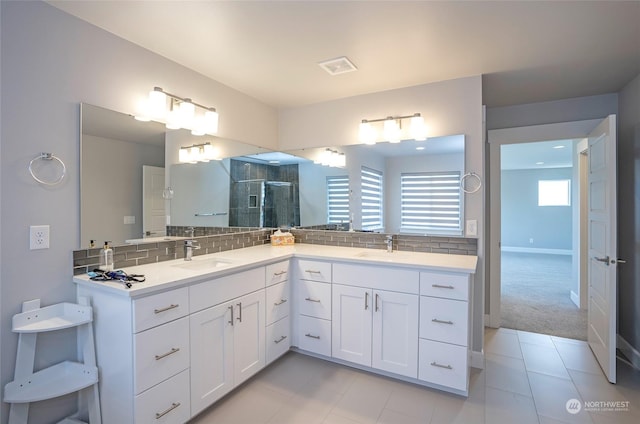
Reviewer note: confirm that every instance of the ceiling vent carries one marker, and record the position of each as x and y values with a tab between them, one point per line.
337	66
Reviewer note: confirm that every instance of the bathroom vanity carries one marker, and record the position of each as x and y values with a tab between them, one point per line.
170	347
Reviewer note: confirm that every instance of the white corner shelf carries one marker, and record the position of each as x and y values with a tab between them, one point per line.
52	318
62	378
58	380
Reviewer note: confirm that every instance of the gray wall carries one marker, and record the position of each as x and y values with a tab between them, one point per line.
629	213
50	63
550	227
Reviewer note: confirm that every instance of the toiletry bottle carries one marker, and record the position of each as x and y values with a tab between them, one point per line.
106	258
92	244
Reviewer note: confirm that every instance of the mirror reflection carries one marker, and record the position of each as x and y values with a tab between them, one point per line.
133	184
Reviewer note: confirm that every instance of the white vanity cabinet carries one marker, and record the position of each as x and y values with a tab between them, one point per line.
142	351
374	327
228	338
445	335
312	298
278	309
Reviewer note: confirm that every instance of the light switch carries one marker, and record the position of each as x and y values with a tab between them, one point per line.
129	220
471	227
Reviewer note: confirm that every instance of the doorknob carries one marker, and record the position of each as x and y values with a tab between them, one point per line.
605	259
620	261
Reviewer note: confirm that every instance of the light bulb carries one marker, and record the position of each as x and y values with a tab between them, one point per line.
173	120
157	104
367	133
186	112
417	129
391	130
211	122
183	155
198	126
210	152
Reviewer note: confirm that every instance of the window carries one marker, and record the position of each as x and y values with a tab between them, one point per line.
431	202
371	181
337	200
554	193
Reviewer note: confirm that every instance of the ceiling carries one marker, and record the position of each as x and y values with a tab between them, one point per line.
538	155
527	51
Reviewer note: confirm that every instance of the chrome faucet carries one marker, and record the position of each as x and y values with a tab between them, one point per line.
389	241
190	244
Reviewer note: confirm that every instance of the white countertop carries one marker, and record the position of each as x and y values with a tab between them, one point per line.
171	274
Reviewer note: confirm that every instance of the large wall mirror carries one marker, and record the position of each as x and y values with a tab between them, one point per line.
133	186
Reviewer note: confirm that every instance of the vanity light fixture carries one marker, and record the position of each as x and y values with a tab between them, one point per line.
332	158
392	129
204	152
178	112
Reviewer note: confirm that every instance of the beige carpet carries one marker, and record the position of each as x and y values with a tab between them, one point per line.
536	295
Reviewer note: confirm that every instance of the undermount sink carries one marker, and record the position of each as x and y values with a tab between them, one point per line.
379	255
202	264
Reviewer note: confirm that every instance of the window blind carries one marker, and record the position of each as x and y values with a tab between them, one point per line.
431	202
371	181
337	199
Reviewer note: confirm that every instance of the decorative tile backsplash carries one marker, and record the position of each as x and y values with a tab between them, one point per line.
430	244
212	240
85	260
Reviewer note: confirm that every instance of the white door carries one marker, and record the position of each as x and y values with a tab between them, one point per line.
153	211
602	229
395	332
351	324
211	349
248	336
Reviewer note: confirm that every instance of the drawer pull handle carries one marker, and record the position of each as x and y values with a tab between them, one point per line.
366	300
312	271
171	352
439	321
231	322
173	406
377	302
312	336
277	274
435	364
440	286
240	313
279	340
281	302
312	300
168	308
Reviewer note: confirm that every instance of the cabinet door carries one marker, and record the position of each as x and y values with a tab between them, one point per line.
248	335
395	332
351	324
211	355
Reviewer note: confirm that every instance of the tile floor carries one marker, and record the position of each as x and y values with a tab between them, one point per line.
528	378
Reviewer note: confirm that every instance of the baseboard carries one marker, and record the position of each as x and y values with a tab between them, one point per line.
575	298
477	359
536	250
629	351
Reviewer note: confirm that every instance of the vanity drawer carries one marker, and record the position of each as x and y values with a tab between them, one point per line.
444	284
444	364
377	277
154	310
314	299
278	339
278	305
166	403
219	290
277	273
160	353
314	270
444	320
314	335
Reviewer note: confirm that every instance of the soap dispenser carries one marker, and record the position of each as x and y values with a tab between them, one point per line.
106	258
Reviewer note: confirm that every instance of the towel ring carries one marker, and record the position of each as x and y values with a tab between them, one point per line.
467	175
47	157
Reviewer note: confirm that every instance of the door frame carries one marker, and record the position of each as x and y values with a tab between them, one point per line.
496	138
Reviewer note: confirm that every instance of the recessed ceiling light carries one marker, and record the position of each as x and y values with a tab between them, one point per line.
420	148
559	146
337	66
539	163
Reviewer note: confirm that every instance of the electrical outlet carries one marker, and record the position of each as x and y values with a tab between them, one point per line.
531	240
38	237
472	228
